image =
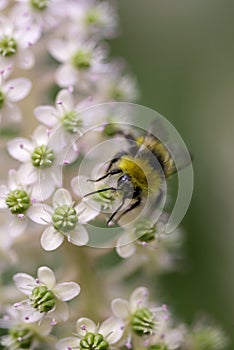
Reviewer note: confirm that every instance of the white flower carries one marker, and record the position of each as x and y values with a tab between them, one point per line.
42	159
138	315
21	333
17	35
104	335
92	205
116	86
61	220
45	296
7	254
82	62
16	199
92	18
45	13
66	120
168	337
11	91
148	242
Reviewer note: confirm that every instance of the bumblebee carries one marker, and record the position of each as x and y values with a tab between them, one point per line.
141	170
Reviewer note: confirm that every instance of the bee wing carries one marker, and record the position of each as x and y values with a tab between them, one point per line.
164	143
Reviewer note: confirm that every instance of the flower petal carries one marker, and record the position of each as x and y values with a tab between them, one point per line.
61	312
139	297
18	89
40	135
112	329
17	225
40	213
51	239
79	236
67	100
24	282
3	194
58	50
46	276
120	308
27	173
124	248
87	210
61	197
66	76
66	291
20	149
84	325
46	115
67	343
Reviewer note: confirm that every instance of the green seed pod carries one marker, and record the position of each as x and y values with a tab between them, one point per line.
18	201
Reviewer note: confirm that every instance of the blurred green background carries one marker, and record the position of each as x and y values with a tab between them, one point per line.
182	52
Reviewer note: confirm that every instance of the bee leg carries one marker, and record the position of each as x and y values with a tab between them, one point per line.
131	207
115	159
102	190
115	212
112	172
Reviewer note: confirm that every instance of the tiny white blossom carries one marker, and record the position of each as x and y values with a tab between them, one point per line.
105	335
47	14
17	35
46	297
21	333
42	158
91	18
66	120
81	62
61	221
11	91
138	315
15	199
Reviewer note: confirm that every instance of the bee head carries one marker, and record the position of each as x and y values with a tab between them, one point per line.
125	185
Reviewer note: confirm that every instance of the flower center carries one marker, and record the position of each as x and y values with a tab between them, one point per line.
82	59
8	46
94	341
1	99
143	322
42	157
92	17
42	299
106	198
145	231
21	338
39	4
71	122
64	218
18	201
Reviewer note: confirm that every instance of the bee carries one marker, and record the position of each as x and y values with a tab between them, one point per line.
141	170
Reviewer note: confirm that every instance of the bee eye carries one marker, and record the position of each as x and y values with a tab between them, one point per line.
125	184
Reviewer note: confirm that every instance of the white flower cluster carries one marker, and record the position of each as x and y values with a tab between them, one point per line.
54	55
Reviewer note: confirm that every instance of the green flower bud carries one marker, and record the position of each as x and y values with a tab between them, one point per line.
42	299
8	46
92	17
71	122
93	341
143	322
158	347
81	60
1	99
145	231
21	338
42	157
39	4
64	218
18	201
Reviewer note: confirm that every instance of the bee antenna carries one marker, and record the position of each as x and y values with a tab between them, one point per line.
112	172
102	190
